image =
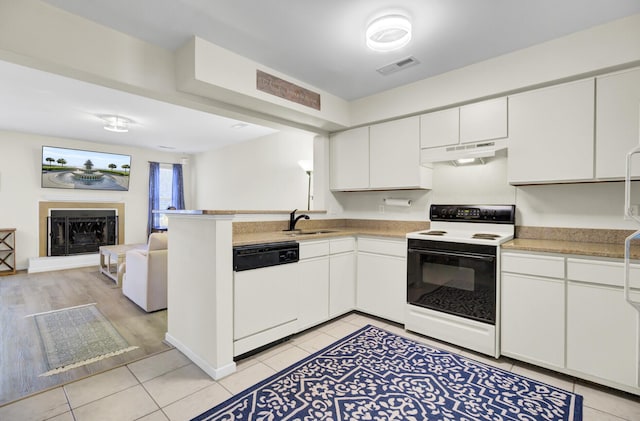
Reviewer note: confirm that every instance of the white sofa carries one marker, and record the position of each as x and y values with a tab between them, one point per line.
145	277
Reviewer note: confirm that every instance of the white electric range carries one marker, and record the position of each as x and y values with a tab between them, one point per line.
453	284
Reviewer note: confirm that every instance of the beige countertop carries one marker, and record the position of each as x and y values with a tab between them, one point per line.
584	242
245	233
571	247
280	236
235	212
577	241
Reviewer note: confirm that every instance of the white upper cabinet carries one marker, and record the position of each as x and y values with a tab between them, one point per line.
440	128
484	120
617	122
394	154
383	156
551	134
350	159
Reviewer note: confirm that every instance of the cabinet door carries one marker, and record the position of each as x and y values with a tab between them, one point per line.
440	128
395	154
602	333
617	122
313	292
484	120
342	283
350	159
551	135
382	286
530	330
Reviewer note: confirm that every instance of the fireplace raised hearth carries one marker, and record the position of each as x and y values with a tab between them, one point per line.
82	231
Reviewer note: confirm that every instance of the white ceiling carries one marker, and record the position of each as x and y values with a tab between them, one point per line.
34	101
318	42
321	42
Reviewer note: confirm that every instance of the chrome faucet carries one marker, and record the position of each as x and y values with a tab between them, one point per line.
293	219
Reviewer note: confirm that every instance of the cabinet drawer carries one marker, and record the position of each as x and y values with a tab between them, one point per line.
309	249
342	245
601	272
383	246
550	266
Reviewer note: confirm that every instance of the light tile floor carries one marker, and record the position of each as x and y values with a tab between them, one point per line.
167	386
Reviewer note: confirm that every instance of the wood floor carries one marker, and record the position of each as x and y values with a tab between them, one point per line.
21	356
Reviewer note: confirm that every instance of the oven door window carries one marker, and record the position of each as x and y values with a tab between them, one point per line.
454	282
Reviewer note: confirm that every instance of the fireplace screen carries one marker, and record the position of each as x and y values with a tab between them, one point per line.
81	231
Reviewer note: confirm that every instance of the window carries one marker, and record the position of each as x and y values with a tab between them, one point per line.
165	190
166	186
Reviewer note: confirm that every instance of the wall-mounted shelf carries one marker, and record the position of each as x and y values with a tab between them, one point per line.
7	251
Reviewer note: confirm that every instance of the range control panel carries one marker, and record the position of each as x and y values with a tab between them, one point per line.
495	214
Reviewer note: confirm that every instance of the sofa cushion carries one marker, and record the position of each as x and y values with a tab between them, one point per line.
157	241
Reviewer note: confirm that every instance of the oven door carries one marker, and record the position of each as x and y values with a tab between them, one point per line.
454	278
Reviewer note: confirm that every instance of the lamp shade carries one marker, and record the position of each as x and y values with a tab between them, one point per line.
306	165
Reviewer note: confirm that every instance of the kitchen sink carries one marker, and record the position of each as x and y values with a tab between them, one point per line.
308	232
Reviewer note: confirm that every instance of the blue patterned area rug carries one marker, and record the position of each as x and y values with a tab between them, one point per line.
373	374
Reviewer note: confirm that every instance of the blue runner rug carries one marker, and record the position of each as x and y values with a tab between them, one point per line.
373	374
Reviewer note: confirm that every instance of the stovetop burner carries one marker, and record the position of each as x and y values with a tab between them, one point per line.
485	236
434	233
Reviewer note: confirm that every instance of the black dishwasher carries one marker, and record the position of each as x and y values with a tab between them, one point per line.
256	256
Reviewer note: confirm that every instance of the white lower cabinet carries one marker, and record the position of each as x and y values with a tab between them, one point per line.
575	320
313	283
382	278
326	285
342	276
532	319
313	292
274	302
603	336
602	333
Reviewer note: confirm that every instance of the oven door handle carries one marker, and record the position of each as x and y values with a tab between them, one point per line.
485	257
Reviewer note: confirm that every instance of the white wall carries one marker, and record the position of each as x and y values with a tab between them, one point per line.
473	184
581	205
260	174
602	47
20	189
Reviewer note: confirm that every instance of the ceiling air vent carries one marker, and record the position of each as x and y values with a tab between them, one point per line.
398	65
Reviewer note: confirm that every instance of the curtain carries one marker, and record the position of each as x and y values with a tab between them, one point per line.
154	195
177	190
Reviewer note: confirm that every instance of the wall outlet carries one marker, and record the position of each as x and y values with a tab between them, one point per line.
381	208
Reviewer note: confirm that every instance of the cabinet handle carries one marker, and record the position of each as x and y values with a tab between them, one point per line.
628	211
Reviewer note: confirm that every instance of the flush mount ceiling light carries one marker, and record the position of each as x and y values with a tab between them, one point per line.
388	33
116	123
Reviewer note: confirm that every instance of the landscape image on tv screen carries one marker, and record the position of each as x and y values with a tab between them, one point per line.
78	169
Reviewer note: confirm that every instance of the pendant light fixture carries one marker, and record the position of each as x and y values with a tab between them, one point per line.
388	33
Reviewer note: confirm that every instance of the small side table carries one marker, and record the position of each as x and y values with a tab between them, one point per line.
7	251
111	257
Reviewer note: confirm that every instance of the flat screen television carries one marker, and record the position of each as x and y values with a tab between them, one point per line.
64	168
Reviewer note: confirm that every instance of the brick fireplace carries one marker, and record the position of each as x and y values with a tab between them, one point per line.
46	209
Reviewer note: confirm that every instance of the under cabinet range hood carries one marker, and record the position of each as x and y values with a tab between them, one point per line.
484	149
